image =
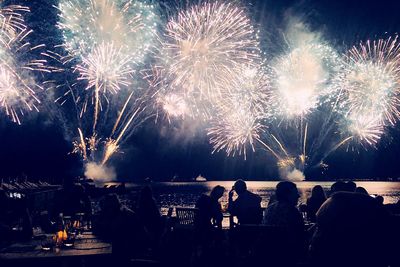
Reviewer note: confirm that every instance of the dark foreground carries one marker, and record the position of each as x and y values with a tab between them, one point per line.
56	226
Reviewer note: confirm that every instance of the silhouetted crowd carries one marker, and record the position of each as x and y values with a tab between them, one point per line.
348	228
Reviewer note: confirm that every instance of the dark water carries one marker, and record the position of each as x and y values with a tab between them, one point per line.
185	194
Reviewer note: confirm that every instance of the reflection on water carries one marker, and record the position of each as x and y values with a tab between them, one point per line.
185	194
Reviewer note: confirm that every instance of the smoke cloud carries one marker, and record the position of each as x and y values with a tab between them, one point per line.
295	176
99	173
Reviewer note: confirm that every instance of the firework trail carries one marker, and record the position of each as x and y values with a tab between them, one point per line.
203	50
370	86
18	85
107	43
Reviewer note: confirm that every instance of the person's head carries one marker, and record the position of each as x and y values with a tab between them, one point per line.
240	186
287	192
217	192
350	186
338	186
318	192
361	190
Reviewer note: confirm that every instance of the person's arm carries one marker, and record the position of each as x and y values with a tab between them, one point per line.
217	215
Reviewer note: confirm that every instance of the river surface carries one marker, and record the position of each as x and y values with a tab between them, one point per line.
185	194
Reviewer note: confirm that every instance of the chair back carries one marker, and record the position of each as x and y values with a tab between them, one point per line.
186	216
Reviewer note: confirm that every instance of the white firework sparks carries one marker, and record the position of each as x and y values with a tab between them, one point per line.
174	105
107	41
18	85
370	89
238	120
203	50
110	39
302	78
106	69
86	24
235	131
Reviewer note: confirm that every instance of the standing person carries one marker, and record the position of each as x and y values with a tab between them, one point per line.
315	201
247	206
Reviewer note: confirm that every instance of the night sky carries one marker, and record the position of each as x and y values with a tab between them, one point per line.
39	148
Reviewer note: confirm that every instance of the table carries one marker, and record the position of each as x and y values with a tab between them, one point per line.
86	246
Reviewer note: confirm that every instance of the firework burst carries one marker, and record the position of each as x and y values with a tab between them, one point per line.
235	131
106	69
107	41
18	85
370	89
130	25
237	124
203	49
302	78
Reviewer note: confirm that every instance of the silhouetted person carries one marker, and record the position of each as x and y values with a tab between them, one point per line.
247	206
122	227
379	199
351	231
149	213
338	186
284	214
341	186
315	201
73	199
209	209
350	186
393	208
15	219
208	225
361	190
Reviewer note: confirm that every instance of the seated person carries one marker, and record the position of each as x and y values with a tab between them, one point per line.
73	199
247	206
149	213
314	202
122	227
209	209
352	230
284	214
15	218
